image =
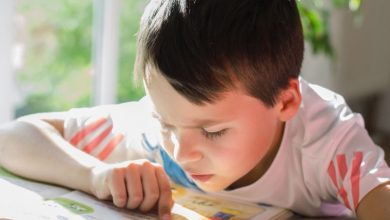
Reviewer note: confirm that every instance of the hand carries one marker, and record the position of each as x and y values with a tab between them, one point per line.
137	184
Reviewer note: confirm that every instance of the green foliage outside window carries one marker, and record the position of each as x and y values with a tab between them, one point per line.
315	15
57	70
127	88
57	36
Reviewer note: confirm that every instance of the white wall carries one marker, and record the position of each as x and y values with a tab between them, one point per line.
363	51
362	65
6	76
383	121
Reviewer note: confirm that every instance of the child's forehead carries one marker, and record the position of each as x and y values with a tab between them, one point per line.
153	75
173	108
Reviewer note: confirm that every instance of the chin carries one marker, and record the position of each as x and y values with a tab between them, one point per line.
212	187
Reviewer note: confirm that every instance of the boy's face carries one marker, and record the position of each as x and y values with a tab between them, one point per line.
216	144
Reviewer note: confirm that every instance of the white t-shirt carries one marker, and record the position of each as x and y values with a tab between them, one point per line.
325	165
326	162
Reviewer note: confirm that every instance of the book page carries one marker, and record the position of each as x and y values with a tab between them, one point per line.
25	199
219	208
17	203
89	207
46	191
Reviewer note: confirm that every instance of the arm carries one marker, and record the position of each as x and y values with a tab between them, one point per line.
34	147
375	205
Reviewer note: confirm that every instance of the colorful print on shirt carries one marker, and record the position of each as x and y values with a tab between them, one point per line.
343	170
97	138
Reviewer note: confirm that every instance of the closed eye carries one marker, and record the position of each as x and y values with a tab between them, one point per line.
213	135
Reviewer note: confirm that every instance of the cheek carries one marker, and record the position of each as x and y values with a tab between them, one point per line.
244	149
233	152
249	154
260	135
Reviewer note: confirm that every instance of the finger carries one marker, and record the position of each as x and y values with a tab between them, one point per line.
150	187
165	201
134	186
117	187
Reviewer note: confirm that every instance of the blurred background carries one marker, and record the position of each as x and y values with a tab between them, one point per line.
55	55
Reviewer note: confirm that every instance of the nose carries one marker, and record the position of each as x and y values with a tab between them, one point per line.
186	147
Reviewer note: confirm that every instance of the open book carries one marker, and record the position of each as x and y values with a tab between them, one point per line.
24	199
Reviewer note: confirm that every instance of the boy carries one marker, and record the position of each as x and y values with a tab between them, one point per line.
231	116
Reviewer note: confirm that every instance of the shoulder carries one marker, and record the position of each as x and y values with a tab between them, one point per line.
327	125
321	105
324	114
338	155
117	129
128	113
110	109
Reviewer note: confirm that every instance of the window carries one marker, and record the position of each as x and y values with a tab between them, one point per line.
129	24
55	45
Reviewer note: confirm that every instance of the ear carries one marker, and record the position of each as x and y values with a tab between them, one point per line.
289	100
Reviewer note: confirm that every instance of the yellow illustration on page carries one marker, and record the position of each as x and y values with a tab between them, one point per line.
213	208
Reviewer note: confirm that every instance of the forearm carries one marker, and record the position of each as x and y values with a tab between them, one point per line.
376	204
36	150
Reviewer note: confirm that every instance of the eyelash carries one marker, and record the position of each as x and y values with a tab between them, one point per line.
213	135
207	134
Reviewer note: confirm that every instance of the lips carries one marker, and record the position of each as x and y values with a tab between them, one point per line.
201	177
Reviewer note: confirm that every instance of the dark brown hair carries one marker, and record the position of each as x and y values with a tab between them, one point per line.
204	47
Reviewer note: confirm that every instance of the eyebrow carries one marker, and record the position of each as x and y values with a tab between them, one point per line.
198	123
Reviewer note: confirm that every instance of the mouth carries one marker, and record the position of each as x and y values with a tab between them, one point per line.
201	177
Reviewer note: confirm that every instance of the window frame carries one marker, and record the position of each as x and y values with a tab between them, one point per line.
105	51
7	101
